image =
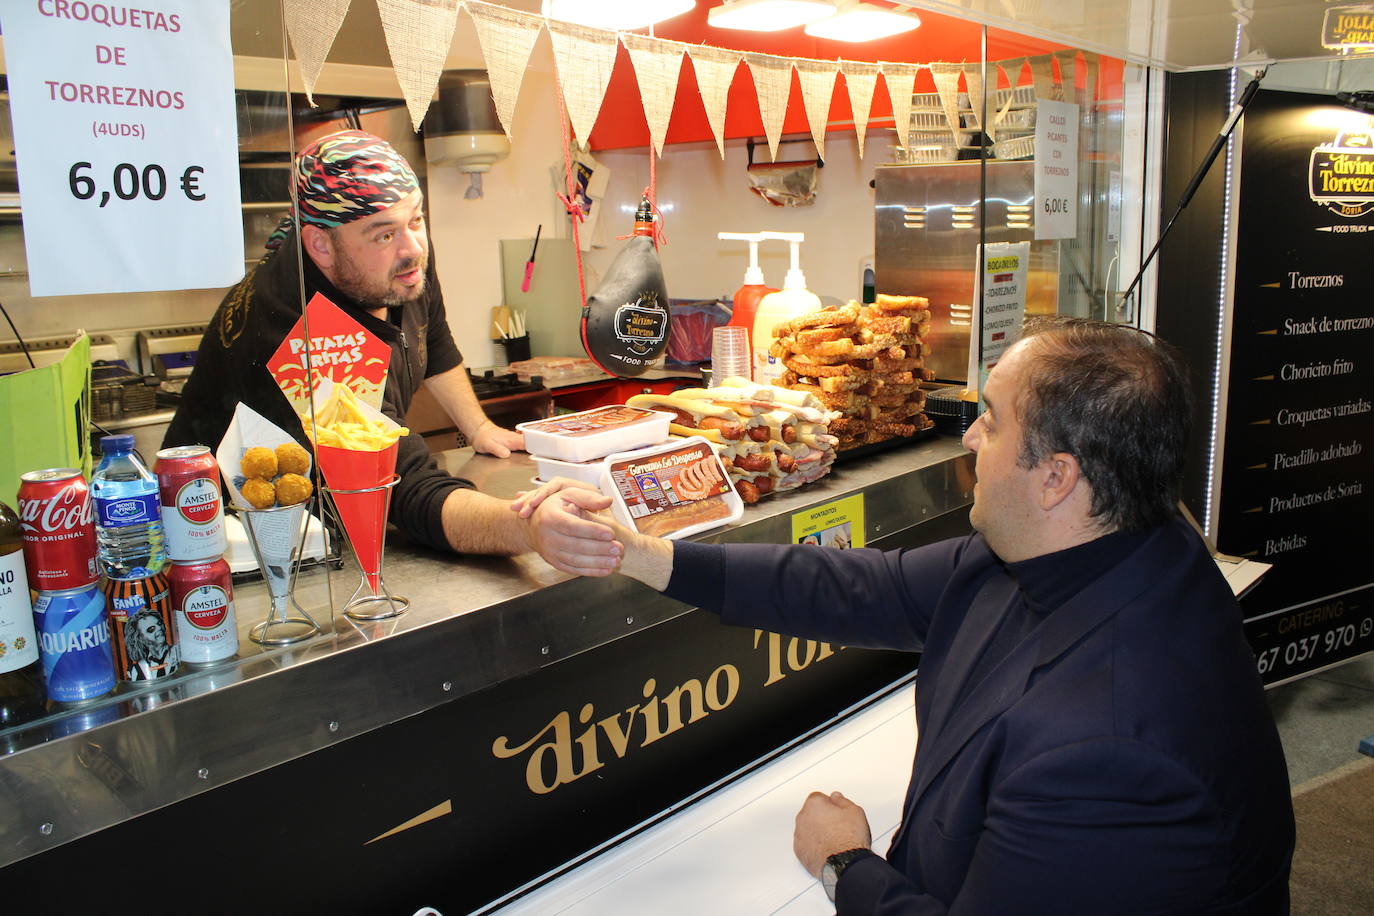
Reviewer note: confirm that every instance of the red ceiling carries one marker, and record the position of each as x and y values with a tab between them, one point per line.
940	38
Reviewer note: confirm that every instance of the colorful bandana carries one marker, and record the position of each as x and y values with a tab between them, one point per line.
349	175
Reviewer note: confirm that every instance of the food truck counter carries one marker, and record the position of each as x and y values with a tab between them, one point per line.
476	626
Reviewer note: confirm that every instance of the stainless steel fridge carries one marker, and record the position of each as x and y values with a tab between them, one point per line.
926	244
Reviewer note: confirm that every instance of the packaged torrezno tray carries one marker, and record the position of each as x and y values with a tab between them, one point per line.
671	490
595	433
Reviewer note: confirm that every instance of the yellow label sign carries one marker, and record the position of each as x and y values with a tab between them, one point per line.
838	524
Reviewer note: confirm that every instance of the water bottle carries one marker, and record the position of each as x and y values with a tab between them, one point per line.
128	519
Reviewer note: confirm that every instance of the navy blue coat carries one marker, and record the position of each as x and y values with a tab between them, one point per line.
1122	758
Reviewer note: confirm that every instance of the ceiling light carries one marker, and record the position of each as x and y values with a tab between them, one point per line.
862	22
768	15
615	14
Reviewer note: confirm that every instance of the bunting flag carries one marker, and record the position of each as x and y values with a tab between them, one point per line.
313	25
772	84
657	65
973	79
1042	75
1090	62
1012	79
901	84
818	87
585	59
506	37
860	79
947	87
418	34
715	70
1068	78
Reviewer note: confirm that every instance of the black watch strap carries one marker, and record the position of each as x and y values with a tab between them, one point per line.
835	867
842	860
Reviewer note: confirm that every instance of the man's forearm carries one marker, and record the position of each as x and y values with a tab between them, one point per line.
453	391
477	523
648	559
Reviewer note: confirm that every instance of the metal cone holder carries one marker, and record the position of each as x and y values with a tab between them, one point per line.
371	600
277	537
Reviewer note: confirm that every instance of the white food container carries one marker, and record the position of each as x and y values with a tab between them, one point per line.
585	471
671	490
594	433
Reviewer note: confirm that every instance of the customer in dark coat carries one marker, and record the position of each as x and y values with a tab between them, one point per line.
1094	737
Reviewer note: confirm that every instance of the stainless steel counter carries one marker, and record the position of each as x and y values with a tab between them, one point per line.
474	622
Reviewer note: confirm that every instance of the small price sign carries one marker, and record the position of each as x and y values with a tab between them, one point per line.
1056	170
126	144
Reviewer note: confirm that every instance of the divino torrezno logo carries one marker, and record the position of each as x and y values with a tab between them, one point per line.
642	325
1340	174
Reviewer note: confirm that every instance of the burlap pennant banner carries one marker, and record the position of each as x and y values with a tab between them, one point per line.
817	87
657	65
1042	75
772	84
1068	77
312	25
506	37
715	70
1001	114
973	79
901	83
947	87
585	58
418	34
1090	62
860	79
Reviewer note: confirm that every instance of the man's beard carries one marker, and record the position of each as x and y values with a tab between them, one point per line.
370	295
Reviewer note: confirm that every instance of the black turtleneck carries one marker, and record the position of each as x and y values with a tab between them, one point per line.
1046	583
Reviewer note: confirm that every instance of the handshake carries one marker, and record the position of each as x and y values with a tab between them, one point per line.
570	526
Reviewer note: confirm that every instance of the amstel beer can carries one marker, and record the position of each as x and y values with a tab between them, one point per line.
144	638
192	503
203	602
74	643
58	528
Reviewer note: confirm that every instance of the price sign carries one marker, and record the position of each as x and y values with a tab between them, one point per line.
126	144
1056	170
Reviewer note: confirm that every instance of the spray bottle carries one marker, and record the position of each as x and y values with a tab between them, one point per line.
746	301
793	300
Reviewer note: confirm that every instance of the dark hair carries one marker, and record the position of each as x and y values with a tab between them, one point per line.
1117	399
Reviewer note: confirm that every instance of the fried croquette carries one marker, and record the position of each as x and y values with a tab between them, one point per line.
292	489
259	493
292	459
259	462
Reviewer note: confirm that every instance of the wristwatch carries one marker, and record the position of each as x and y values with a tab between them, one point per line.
835	865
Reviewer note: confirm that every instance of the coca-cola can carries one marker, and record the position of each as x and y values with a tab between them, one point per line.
58	528
203	604
141	627
192	503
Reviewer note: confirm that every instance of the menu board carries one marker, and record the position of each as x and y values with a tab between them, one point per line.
1298	468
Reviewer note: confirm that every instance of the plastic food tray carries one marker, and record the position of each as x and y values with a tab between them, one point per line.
636	479
585	471
594	433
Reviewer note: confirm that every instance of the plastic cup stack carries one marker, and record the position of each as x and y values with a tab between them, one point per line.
730	354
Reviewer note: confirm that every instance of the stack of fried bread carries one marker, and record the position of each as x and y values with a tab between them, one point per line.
864	362
769	439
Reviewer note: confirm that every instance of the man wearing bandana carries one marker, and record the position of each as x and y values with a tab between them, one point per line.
366	249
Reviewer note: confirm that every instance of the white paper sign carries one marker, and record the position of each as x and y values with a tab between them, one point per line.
126	144
1000	306
1056	170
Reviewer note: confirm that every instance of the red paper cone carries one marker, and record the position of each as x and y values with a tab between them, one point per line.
358	483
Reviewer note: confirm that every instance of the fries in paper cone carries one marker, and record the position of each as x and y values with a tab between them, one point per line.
356	446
